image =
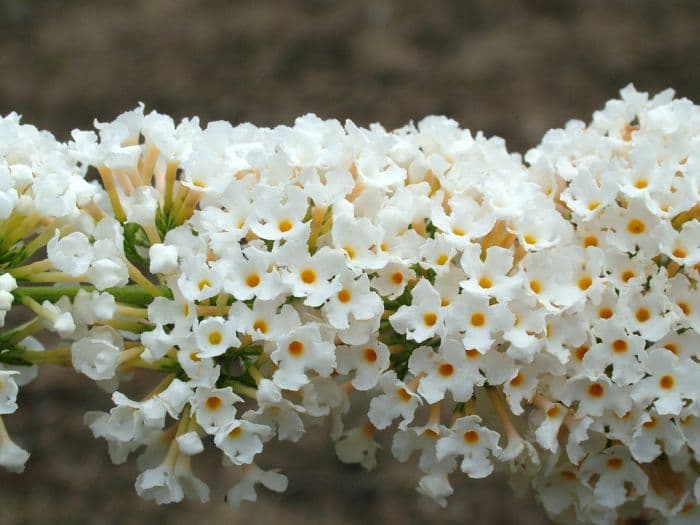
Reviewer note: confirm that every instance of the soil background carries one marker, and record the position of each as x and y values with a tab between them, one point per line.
513	69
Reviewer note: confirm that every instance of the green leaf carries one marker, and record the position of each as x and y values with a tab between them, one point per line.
12	355
13	257
164	222
134	235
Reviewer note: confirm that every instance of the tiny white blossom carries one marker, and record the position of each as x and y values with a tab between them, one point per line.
474	442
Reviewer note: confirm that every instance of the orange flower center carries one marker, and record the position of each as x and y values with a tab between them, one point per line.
636	227
585	282
627	275
308	276
590	240
295	348
260	325
517	380
471	437
477	319
213	403
485	282
667	382
619	346
403	395
370	355
446	370
605	313
252	280
344	296
642	314
614	463
596	390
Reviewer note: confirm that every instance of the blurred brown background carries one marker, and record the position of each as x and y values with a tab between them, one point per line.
513	69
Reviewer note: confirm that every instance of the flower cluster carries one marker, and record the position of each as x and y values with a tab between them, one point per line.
540	318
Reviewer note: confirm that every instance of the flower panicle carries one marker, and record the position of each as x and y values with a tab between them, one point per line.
538	315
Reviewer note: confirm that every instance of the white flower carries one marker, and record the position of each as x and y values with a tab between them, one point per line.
160	484
71	254
358	446
97	354
250	274
12	456
685	301
151	412
108	272
8	392
547	433
351	298
200	372
241	440
162	258
279	212
277	412
475	442
214	408
625	353
265	321
244	490
467	219
396	401
391	281
478	320
190	443
301	350
645	312
176	396
594	395
589	193
633	227
653	430
614	471
214	336
669	382
436	486
199	280
423	439
549	277
682	246
437	253
490	277
357	237
368	360
7	282
446	369
308	275
424	317
89	307
523	383
539	226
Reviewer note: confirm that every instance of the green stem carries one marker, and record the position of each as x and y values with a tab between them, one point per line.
16	334
56	356
130	294
164	364
244	390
